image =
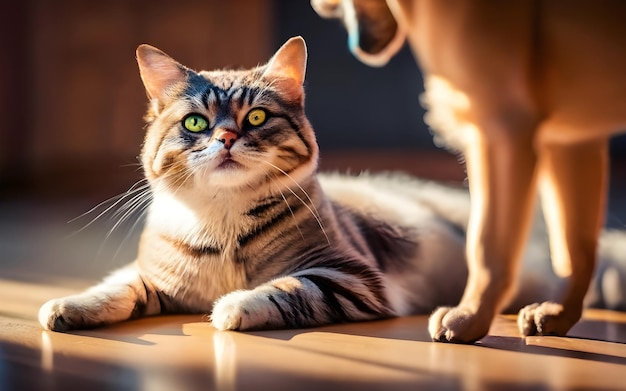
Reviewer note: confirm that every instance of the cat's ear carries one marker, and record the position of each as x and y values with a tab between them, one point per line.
289	60
159	72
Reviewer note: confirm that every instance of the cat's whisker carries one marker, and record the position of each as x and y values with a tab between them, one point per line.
205	169
138	166
185	176
313	213
288	206
129	204
188	175
141	196
311	207
117	200
143	211
137	202
293	181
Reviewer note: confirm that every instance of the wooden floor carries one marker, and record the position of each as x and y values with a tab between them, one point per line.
42	257
185	352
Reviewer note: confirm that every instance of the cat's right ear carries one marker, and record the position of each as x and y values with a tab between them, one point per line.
289	60
160	73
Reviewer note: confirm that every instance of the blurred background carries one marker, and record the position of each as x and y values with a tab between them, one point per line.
71	104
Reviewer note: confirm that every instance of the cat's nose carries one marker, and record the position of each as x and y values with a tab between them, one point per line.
226	137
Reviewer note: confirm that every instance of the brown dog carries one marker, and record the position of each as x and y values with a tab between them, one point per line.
530	92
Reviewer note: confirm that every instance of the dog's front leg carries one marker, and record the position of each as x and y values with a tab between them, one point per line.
500	166
572	180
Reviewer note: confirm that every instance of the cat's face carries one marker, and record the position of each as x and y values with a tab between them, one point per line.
226	129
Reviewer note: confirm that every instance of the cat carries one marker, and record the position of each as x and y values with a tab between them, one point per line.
243	227
530	93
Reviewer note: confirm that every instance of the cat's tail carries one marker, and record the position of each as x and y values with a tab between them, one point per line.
608	287
451	202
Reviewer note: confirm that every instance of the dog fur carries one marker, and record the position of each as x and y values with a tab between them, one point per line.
530	92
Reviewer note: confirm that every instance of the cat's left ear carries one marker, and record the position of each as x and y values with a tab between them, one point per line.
289	60
160	73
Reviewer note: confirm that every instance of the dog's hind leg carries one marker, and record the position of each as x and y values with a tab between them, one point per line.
572	180
501	165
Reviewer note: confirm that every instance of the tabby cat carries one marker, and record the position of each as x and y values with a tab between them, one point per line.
241	226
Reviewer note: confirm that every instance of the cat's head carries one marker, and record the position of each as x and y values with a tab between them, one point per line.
226	129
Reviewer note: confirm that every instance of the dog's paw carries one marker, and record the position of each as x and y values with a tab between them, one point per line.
62	315
547	318
457	325
242	310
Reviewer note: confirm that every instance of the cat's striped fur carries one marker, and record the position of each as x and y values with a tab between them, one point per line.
242	227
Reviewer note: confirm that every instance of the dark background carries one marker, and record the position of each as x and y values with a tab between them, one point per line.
350	104
71	100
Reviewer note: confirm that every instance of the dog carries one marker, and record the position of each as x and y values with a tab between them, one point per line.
530	92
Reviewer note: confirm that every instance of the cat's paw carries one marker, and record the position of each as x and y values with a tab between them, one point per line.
61	315
242	310
457	325
547	318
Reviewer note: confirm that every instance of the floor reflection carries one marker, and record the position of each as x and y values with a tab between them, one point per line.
47	353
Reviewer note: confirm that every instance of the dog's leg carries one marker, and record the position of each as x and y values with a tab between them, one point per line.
501	169
572	180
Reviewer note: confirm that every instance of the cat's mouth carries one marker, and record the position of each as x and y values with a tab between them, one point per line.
228	163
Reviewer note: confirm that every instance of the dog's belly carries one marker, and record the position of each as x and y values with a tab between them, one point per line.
517	66
582	69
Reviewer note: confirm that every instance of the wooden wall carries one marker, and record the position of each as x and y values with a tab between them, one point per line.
71	98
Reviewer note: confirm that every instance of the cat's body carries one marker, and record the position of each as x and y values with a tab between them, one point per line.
365	247
242	227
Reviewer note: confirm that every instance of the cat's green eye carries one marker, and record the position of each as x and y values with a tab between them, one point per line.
195	123
256	117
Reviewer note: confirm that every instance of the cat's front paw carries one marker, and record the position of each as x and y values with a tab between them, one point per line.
242	310
61	315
